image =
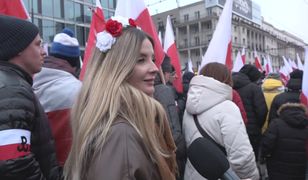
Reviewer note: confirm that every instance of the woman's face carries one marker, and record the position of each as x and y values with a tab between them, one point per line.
145	70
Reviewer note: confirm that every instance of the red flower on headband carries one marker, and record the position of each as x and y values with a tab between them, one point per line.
114	28
132	22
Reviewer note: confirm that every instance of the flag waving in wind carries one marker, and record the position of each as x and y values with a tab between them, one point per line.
137	10
220	47
14	8
257	62
304	95
172	52
97	25
243	55
238	64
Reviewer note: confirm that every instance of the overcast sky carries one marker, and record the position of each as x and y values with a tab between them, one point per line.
288	15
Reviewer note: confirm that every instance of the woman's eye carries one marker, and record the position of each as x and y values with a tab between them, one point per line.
141	60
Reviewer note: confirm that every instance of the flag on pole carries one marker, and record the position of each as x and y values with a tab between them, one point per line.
257	61
299	63
304	94
292	64
238	64
97	25
137	10
190	66
284	74
14	8
287	65
243	56
269	63
172	52
220	47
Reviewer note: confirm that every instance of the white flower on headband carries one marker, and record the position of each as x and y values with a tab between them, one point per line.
104	41
114	28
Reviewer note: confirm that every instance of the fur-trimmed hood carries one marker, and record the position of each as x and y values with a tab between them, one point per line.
295	114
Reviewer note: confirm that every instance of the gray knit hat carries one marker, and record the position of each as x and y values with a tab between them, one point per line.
15	36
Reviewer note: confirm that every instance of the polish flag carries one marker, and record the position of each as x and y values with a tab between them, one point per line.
190	66
287	65
14	8
284	74
220	47
14	143
243	56
172	52
304	94
238	64
257	61
269	64
137	10
97	25
292	63
299	63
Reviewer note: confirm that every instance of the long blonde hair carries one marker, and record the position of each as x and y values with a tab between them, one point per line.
104	97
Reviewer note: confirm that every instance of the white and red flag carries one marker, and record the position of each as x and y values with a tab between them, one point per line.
238	64
257	61
304	94
190	66
292	64
287	65
220	47
172	52
299	63
284	74
137	10
243	55
97	25
14	8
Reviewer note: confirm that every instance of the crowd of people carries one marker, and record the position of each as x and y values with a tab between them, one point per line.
126	120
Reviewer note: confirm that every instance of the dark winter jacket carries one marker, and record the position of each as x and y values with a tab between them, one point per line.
253	100
255	106
25	136
291	95
283	144
165	95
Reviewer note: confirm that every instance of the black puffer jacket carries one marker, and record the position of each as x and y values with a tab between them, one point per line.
283	144
253	100
21	111
255	106
292	94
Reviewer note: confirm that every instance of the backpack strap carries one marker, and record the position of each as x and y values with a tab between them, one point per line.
204	134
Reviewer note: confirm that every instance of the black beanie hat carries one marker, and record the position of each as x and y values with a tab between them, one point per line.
296	74
15	36
251	71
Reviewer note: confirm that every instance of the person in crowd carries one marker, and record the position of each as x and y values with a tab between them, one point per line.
27	150
283	144
119	130
292	93
187	76
209	97
272	86
165	95
57	87
236	98
244	82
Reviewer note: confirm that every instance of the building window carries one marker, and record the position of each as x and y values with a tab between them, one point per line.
185	43
197	14
69	10
234	28
59	27
243	30
235	39
79	12
197	41
48	30
209	11
244	41
47	8
173	21
186	17
80	35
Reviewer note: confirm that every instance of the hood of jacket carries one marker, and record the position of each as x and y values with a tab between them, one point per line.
294	114
206	92
272	84
240	80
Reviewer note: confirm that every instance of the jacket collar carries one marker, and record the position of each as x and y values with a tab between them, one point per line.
18	70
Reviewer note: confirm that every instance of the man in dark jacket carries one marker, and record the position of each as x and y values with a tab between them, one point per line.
244	82
26	145
292	93
283	144
165	95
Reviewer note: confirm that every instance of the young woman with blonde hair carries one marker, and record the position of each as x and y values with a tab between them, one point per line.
119	130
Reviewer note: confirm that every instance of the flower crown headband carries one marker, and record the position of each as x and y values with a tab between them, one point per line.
114	28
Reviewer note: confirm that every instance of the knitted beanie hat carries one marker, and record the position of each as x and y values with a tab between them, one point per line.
15	36
251	71
65	46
